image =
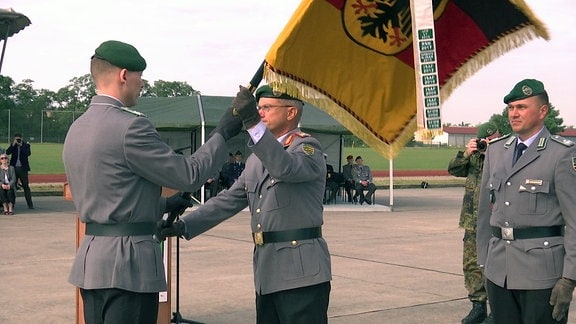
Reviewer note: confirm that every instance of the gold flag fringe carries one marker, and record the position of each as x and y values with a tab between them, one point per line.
310	95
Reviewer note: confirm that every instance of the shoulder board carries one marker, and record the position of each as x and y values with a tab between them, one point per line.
561	140
302	134
497	139
133	112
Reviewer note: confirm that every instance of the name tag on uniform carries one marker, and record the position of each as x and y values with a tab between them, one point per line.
534	182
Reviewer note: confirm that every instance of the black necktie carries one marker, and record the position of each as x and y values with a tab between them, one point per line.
519	150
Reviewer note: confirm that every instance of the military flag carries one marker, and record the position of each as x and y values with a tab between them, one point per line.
355	60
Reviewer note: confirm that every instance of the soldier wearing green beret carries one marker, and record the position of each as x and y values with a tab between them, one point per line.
469	164
526	235
116	165
283	186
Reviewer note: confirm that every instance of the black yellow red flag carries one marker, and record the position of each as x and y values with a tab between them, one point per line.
354	58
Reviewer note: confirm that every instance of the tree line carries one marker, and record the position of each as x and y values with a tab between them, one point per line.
42	114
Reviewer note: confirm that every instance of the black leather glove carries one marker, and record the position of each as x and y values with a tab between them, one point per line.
229	125
178	228
176	203
245	106
561	297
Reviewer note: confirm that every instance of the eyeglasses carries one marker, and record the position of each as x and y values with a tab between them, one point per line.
266	108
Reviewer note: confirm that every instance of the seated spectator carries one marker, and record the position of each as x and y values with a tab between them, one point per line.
212	185
363	180
331	185
8	179
348	177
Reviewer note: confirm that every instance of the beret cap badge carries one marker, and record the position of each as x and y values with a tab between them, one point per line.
526	90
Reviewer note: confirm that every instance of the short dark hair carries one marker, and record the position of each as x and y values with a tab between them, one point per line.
17	135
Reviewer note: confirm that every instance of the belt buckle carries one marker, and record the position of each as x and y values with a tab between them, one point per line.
258	238
507	233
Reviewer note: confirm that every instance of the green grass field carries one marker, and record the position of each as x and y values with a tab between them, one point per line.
46	158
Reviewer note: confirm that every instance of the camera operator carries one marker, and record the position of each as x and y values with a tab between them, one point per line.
469	164
19	152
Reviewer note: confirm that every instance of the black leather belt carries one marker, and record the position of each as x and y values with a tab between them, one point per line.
122	229
260	238
510	233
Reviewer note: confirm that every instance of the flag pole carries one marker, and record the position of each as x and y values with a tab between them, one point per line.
257	78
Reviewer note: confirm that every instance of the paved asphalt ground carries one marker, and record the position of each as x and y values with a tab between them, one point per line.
400	266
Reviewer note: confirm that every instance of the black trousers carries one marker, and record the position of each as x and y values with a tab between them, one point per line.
520	306
115	306
306	305
22	174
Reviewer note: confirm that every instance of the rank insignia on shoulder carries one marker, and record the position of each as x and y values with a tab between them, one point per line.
302	134
133	112
308	149
574	163
562	140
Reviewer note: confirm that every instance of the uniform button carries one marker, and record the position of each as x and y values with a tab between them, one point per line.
258	210
294	243
508	242
546	243
508	184
258	226
490	185
532	188
260	196
506	224
272	181
507	203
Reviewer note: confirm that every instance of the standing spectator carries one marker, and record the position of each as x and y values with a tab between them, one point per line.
527	215
225	171
116	165
19	152
469	164
283	185
212	184
363	180
348	177
235	168
8	180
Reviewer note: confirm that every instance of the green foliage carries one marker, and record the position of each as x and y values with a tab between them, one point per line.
553	122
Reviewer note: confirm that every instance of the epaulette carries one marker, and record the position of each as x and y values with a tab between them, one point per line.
133	112
562	140
497	139
302	134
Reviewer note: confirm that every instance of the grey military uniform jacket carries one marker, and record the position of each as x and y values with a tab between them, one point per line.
116	165
283	187
539	190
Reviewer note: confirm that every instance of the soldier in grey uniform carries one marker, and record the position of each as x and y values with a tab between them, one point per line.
116	165
283	185
527	215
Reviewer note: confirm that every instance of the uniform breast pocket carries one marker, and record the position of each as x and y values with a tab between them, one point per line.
533	198
251	189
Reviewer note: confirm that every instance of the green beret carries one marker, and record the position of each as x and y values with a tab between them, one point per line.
524	89
486	130
266	91
120	54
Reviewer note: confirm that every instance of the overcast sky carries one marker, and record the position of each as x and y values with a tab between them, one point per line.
216	45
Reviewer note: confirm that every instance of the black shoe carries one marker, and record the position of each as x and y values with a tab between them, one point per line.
489	320
349	199
477	314
368	201
30	207
355	200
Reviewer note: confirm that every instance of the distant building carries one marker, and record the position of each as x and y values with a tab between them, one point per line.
460	136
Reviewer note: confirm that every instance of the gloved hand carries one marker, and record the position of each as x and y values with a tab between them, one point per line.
229	125
177	203
178	228
245	106
561	297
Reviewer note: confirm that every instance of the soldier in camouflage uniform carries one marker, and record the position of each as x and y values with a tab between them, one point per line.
469	164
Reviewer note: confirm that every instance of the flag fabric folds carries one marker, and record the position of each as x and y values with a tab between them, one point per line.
354	58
